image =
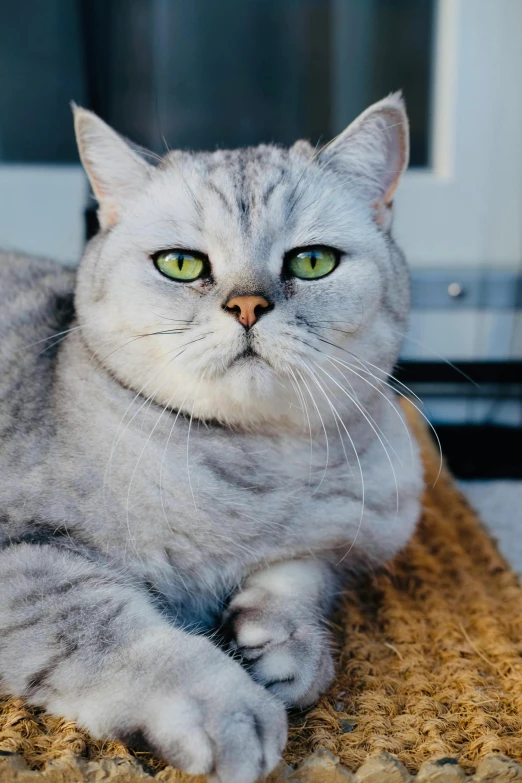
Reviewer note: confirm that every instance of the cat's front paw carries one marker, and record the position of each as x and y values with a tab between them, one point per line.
203	715
288	654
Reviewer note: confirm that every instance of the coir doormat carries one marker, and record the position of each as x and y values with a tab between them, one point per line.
429	674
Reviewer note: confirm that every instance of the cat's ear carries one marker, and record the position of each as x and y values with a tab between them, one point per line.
374	151
115	171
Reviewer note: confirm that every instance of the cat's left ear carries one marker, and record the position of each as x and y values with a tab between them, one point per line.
115	171
374	151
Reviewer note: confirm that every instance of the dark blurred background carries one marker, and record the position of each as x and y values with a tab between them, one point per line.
200	74
203	73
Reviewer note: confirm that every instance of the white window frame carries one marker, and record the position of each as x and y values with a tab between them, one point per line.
466	208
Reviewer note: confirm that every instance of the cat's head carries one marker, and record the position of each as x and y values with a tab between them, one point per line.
233	284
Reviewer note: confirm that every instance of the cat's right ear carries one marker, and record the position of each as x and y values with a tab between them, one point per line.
115	171
374	151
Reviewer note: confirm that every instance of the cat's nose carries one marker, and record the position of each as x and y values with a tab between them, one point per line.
248	309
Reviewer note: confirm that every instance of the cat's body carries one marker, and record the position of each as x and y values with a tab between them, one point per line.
151	481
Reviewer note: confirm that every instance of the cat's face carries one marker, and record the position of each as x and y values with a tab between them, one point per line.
220	281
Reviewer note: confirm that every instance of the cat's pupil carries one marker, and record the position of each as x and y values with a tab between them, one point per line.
181	260
313	260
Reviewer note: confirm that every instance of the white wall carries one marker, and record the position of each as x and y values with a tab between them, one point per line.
41	210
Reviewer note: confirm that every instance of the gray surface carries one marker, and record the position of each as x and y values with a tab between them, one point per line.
499	504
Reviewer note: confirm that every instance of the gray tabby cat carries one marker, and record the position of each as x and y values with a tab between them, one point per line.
198	439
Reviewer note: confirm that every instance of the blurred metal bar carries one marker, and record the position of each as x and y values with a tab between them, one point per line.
466	289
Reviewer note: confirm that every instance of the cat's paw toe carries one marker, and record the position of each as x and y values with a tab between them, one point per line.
292	659
224	727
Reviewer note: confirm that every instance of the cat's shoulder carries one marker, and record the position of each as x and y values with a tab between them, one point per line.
33	290
20	273
36	303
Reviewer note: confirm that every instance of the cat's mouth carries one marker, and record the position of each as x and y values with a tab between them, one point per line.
248	356
248	353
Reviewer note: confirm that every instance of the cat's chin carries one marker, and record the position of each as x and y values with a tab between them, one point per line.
250	373
247	394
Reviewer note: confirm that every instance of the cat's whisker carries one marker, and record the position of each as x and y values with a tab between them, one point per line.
407	397
435	353
317	325
118	437
64	334
336	420
334	345
333	361
52	345
146	153
119	347
166	331
160	131
308	345
377	431
173	320
341	421
364	368
142	336
364	364
307	387
52	337
169	437
151	397
123	345
186	345
301	396
355	396
410	401
188	441
127	512
328	342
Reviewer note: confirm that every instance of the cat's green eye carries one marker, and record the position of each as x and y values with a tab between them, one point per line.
311	263
180	265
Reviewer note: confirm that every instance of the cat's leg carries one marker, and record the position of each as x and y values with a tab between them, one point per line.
87	644
276	622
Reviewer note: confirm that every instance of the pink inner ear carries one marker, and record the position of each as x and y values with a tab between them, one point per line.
383	212
108	214
397	151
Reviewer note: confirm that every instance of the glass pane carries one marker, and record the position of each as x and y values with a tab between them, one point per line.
381	46
203	73
41	71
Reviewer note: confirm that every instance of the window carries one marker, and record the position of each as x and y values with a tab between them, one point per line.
205	73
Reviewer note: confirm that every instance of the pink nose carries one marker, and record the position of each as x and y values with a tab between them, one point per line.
247	309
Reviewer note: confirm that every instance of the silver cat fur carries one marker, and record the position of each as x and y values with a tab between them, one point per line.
182	497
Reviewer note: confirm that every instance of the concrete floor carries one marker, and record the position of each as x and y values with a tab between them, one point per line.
499	504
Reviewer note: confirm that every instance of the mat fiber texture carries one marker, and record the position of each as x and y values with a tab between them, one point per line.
429	675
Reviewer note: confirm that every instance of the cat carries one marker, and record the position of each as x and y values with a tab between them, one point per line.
199	441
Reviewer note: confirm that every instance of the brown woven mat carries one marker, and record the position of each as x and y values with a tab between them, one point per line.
429	666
